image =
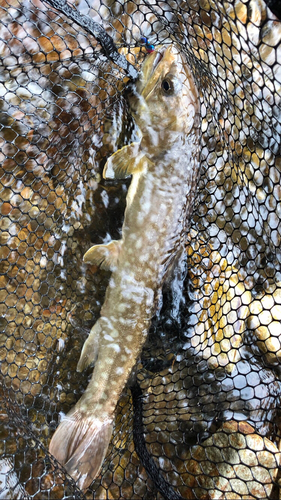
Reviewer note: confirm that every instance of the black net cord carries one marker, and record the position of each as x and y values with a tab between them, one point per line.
275	7
147	460
95	29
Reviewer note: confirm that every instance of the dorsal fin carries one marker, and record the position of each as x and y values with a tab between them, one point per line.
124	162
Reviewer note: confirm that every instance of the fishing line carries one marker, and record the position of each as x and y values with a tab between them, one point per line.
93	57
108	46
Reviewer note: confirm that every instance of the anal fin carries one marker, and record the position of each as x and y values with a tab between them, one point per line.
105	256
90	348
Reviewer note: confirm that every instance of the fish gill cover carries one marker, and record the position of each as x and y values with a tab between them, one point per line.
200	415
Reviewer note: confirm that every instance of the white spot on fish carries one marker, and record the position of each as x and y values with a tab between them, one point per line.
139	244
122	321
148	273
119	370
114	333
122	307
147	206
116	347
108	337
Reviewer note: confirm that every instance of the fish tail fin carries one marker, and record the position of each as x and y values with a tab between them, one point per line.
80	444
105	256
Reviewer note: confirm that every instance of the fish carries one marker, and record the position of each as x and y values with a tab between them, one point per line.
164	166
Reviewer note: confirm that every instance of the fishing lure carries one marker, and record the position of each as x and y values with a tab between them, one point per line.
149	47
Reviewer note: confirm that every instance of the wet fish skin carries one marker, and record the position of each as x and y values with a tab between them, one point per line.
165	168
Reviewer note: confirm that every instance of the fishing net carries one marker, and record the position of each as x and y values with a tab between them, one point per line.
200	417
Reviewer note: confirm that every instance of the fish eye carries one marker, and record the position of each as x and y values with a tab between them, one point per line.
167	86
170	86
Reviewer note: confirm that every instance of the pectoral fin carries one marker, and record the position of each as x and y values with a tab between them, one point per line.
124	162
105	256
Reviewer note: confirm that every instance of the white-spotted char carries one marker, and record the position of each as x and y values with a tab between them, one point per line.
164	168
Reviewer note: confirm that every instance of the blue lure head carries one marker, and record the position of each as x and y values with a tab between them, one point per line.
149	46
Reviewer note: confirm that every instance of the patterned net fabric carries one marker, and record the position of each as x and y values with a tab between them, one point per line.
200	418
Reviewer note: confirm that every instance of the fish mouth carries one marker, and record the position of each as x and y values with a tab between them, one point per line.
153	73
145	91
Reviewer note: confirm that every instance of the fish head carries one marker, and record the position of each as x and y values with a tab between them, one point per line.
166	103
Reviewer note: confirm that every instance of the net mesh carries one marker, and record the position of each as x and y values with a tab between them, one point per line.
200	418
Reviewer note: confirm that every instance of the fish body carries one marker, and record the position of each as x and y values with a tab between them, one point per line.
164	166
